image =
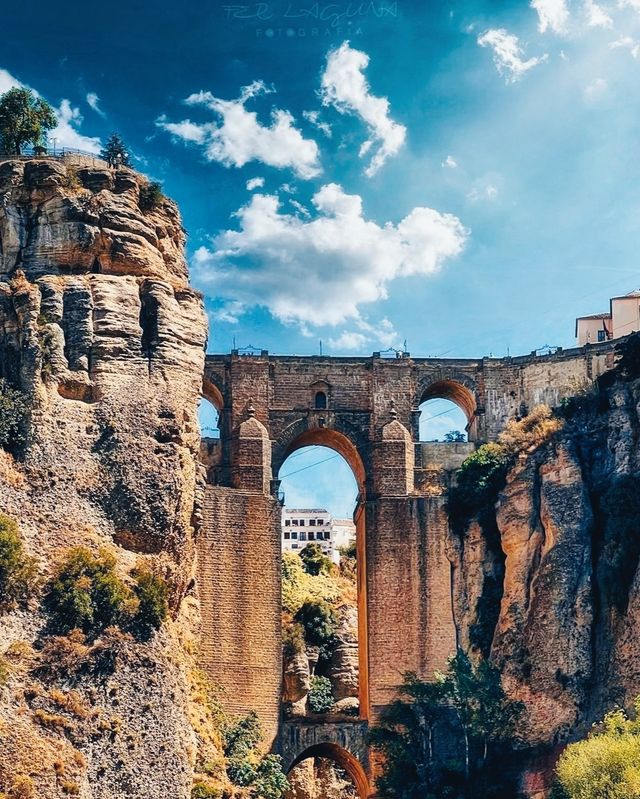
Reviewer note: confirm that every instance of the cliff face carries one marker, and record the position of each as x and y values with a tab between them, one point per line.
101	332
549	584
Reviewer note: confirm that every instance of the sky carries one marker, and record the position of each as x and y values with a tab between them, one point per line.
462	178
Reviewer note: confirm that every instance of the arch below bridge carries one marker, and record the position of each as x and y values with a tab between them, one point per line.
343	758
333	439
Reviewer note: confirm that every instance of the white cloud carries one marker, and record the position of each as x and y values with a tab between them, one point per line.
255	183
345	87
629	4
596	16
93	101
552	15
229	312
300	208
66	134
450	162
507	54
7	81
321	271
237	137
314	118
595	90
627	43
483	191
348	340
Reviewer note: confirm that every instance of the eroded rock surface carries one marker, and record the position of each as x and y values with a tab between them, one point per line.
101	331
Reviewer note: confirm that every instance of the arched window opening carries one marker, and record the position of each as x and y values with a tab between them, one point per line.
320	594
317	777
442	420
210	444
320	400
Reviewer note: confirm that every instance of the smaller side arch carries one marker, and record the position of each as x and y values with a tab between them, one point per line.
343	758
457	388
211	392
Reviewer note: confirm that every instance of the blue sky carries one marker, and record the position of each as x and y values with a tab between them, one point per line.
463	176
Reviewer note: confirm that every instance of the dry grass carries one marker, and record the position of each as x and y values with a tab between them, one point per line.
10	472
531	432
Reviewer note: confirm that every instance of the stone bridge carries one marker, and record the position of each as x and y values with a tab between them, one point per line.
367	409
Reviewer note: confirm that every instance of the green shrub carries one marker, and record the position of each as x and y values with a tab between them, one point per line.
13	417
87	594
314	560
151	196
151	592
479	480
201	790
318	621
18	571
292	639
320	695
241	736
4	672
606	764
270	781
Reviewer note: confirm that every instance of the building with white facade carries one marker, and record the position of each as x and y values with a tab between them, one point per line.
622	318
315	525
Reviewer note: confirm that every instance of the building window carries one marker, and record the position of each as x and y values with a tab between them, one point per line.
294	522
301	522
294	535
287	523
303	536
321	400
327	535
602	335
294	546
312	522
287	536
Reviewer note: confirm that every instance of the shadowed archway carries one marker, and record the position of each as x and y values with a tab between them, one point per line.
342	758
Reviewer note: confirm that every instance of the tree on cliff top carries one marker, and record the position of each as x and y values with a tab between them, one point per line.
24	119
115	152
607	763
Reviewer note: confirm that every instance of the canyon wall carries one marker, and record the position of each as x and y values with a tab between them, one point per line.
101	333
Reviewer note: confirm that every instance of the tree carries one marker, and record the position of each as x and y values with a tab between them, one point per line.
482	708
115	152
24	119
314	560
320	695
404	736
606	764
454	437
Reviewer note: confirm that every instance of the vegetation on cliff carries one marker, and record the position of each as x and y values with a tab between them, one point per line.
484	727
18	571
606	764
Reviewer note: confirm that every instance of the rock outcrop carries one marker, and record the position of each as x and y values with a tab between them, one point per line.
102	334
548	584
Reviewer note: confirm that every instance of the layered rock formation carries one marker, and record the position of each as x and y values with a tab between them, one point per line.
101	332
548	584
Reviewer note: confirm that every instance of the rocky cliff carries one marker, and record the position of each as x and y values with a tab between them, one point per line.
103	337
546	581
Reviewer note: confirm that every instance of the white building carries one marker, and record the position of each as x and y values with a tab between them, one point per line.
315	525
623	318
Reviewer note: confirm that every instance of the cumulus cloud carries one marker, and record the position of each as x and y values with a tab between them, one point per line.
237	137
629	4
93	101
7	81
348	340
507	54
552	15
320	271
66	132
450	162
345	87
627	43
255	183
596	16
